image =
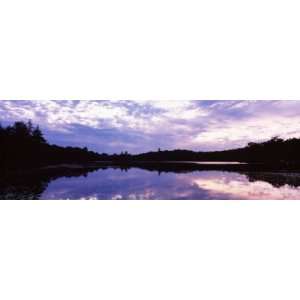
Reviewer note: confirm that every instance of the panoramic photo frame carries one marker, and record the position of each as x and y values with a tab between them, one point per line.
198	150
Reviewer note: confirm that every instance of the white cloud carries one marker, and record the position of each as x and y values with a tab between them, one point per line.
173	124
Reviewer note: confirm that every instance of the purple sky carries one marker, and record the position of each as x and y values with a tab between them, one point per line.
138	126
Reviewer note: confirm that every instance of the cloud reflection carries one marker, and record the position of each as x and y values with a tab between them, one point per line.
140	184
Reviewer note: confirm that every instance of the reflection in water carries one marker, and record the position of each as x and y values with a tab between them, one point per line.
32	184
225	185
138	183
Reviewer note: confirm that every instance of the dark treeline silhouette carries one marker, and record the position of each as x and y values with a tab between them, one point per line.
275	150
187	167
23	145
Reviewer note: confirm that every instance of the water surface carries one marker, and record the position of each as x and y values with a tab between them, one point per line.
141	184
117	182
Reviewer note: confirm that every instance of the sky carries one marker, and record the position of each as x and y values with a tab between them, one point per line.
141	126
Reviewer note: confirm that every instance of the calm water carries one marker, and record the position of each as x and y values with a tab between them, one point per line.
141	184
136	183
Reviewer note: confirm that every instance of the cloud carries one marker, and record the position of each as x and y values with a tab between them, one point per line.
138	126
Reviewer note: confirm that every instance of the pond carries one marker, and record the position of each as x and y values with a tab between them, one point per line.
137	183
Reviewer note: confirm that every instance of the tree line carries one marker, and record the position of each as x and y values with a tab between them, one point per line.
23	144
275	150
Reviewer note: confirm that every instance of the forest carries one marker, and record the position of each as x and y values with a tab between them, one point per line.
24	145
275	150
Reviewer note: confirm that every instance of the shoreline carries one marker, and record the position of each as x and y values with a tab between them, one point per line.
163	166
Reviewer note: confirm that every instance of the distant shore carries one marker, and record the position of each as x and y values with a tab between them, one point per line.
166	166
179	165
187	166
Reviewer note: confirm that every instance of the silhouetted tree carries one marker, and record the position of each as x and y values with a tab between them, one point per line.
30	127
38	135
22	144
21	130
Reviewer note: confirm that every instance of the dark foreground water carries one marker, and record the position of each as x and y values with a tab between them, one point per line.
136	183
